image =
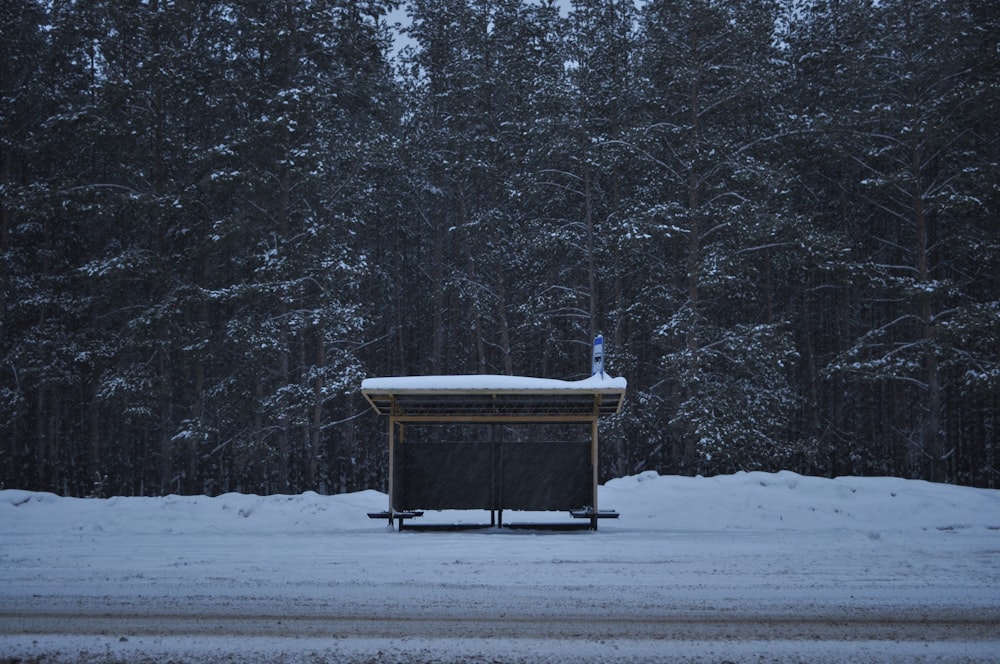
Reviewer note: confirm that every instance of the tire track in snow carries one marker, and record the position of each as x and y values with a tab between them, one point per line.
908	625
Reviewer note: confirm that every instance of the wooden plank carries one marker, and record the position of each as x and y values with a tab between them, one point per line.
495	419
449	402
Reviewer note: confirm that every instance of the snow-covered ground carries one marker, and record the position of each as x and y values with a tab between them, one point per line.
749	567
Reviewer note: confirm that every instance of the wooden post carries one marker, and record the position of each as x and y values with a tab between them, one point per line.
392	453
593	462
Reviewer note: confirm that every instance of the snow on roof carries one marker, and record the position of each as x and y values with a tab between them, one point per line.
490	383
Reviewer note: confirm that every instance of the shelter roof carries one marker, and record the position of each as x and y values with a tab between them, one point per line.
493	398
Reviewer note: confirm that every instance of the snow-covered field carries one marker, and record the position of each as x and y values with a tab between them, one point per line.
749	567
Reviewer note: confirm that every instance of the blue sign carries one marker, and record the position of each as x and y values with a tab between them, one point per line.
598	367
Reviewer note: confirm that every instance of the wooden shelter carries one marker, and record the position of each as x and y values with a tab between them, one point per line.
486	473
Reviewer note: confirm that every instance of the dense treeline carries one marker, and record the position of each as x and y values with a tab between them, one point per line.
217	218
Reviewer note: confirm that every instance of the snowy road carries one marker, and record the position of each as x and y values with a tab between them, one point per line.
511	596
945	635
308	578
899	625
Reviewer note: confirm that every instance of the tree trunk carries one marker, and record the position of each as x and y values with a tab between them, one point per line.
694	242
437	274
317	414
694	227
166	418
94	436
932	443
508	362
931	440
591	260
284	343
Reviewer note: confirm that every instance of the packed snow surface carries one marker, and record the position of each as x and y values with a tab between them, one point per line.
748	567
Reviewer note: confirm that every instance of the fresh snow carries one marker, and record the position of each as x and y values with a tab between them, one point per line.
488	382
747	567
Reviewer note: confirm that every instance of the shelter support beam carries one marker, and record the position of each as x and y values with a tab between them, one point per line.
392	468
593	465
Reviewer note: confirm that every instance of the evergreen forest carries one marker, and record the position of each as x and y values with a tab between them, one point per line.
218	217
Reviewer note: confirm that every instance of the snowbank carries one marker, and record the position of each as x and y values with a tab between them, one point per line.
646	502
786	500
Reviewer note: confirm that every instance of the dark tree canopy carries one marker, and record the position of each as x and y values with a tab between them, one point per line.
217	217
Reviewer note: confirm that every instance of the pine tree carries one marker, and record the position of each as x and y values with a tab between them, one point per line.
486	72
912	155
315	84
207	166
45	87
714	205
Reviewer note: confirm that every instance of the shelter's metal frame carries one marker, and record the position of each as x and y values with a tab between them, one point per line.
489	406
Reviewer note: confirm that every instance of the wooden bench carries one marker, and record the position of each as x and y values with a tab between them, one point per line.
588	513
399	516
